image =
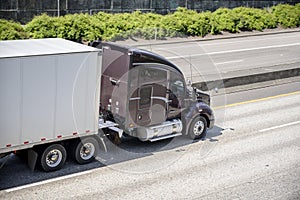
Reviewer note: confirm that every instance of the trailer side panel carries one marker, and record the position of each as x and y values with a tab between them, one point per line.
45	98
10	101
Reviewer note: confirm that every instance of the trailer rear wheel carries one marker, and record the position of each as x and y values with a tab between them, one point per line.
85	150
198	128
53	157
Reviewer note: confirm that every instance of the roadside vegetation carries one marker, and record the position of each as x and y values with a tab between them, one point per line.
183	22
10	30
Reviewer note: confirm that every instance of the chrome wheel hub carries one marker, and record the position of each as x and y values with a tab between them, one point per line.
53	158
198	128
87	151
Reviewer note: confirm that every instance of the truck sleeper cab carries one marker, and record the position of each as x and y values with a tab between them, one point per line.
147	95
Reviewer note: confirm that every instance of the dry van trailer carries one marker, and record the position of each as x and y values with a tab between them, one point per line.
49	98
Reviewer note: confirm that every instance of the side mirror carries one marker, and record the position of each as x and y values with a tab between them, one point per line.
216	90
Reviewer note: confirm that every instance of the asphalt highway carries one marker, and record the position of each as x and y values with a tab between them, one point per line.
252	153
216	59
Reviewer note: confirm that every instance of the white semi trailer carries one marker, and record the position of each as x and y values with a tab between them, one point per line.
49	99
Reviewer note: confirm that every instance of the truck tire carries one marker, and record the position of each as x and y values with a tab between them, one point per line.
198	128
85	150
53	158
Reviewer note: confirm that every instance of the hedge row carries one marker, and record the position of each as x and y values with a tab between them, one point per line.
11	31
79	27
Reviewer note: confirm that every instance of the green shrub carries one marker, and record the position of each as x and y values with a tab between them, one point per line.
287	16
10	30
76	27
105	26
42	26
179	21
253	19
223	19
200	25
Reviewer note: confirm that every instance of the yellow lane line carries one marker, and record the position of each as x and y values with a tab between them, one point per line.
256	100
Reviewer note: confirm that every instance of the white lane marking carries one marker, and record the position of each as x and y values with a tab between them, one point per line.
229	62
232	51
280	126
247	40
203	43
48	181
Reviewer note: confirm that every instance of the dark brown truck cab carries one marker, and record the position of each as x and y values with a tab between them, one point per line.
148	97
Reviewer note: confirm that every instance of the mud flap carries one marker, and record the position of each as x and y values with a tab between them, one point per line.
102	144
32	158
4	159
115	135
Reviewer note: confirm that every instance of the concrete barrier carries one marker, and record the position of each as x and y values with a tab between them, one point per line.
250	78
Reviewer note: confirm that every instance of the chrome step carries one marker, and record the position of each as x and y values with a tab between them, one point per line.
165	137
165	124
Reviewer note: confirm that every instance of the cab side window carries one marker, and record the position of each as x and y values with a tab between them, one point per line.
177	84
149	74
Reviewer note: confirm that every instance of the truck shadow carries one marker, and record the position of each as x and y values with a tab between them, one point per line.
16	173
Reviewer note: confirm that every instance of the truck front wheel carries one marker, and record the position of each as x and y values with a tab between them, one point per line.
85	150
198	128
53	157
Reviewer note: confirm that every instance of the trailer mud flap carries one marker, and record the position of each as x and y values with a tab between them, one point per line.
101	143
4	159
32	158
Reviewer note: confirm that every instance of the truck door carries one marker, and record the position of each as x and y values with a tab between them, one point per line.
176	95
150	96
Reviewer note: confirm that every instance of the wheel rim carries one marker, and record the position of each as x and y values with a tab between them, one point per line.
87	151
198	127
54	158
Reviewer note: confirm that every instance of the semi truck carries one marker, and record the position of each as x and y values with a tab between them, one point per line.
60	98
